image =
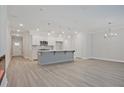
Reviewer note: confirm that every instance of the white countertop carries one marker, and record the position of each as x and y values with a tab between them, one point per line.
56	50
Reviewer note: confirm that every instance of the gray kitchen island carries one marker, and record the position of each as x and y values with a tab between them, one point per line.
51	57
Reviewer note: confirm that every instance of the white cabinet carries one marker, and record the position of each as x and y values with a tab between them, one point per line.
36	40
51	41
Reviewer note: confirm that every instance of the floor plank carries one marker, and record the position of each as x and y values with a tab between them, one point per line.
81	73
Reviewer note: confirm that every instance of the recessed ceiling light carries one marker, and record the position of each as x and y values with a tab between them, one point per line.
63	32
18	30
105	35
17	44
76	32
37	29
115	34
21	25
49	34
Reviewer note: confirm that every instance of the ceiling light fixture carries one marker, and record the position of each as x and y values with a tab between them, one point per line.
49	34
76	32
105	35
37	29
110	33
18	30
21	25
63	32
115	34
17	44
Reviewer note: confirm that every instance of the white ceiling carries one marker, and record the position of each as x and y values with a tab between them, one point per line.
65	18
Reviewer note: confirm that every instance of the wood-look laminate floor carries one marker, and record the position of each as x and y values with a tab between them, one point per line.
81	73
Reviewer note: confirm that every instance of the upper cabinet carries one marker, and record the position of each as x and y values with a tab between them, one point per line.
51	40
36	40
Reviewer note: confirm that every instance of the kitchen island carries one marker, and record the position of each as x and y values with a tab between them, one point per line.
59	56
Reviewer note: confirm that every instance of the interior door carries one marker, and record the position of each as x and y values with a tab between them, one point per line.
17	46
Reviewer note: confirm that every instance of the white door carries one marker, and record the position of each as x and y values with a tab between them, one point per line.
17	46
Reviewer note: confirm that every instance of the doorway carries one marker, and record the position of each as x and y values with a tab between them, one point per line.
17	46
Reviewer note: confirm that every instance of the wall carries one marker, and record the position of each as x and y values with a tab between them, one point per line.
2	31
89	45
80	44
5	39
108	49
8	47
94	45
27	45
67	44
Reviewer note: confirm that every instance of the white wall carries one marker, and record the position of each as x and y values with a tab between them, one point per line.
94	45
8	47
67	44
2	31
80	43
27	45
108	49
89	45
5	39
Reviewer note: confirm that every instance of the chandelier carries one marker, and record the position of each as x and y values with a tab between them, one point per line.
110	34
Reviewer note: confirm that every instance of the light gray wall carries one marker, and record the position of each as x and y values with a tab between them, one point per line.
108	49
2	31
27	45
81	45
89	45
94	45
4	39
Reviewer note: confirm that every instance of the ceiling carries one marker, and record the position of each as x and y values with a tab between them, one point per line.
65	18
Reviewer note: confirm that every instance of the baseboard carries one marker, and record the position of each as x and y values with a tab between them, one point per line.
81	58
4	81
107	59
85	58
27	58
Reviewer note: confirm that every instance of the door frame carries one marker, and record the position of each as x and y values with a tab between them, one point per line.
12	42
